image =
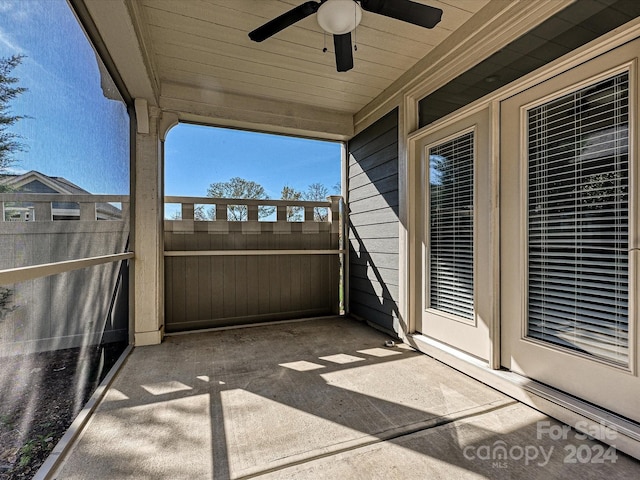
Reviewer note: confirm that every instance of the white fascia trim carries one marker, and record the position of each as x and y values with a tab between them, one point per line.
493	27
29	177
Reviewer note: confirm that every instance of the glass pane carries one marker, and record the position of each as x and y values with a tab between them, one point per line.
59	336
451	227
64	195
578	220
66	169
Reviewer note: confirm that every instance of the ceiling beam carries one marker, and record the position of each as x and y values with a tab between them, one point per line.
113	20
212	107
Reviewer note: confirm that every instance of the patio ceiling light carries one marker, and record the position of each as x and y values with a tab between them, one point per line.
339	16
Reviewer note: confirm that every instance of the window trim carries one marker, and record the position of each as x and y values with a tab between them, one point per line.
473	322
630	67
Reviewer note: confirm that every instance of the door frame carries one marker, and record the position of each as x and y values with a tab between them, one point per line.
596	380
563	407
486	322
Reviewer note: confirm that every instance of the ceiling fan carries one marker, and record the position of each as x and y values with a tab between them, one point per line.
341	17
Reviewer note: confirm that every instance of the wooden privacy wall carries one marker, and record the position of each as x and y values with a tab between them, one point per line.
221	273
71	309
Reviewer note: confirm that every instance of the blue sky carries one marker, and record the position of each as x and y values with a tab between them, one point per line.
196	156
72	125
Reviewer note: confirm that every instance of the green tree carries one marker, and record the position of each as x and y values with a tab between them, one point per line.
317	192
10	142
294	214
239	188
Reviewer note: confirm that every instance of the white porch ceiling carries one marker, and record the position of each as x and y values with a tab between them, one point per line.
201	64
204	43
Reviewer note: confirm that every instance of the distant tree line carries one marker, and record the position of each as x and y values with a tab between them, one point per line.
242	188
10	142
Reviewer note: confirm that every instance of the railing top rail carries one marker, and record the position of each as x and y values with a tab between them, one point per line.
57	197
245	201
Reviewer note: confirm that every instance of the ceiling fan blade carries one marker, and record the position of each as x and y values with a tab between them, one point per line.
344	54
405	10
283	21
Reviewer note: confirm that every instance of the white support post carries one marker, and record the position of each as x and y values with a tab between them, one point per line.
148	247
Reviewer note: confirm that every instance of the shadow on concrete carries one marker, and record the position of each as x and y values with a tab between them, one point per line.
294	399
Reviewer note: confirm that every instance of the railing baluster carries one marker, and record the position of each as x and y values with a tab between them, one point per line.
42	212
187	211
282	213
221	212
309	214
252	211
88	212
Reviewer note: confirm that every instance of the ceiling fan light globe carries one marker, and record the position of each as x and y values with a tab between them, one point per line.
339	16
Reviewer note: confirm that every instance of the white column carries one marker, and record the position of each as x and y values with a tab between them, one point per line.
148	244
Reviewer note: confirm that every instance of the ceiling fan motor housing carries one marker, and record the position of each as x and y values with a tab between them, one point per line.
339	16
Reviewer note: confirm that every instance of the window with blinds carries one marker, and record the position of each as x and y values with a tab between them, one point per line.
578	169
451	226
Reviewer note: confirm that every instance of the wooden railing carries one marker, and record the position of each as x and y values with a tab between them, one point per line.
253	207
41	207
66	269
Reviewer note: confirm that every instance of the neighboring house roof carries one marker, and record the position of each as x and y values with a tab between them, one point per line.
56	184
37	182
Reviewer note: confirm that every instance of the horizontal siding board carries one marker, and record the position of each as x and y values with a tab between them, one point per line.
388	187
377	245
372	203
375	217
373	222
362	286
384	319
375	146
382	305
362	142
382	230
358	165
384	276
380	171
378	260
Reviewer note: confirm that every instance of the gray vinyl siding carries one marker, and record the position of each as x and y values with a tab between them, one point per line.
373	223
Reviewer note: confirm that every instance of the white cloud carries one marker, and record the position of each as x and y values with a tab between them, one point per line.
16	10
7	42
15	171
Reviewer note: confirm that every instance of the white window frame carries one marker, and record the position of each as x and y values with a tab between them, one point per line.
427	222
634	214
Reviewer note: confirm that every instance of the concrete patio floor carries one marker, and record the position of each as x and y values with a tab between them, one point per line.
318	399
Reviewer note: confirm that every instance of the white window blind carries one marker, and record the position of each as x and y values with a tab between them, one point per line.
578	220
451	226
